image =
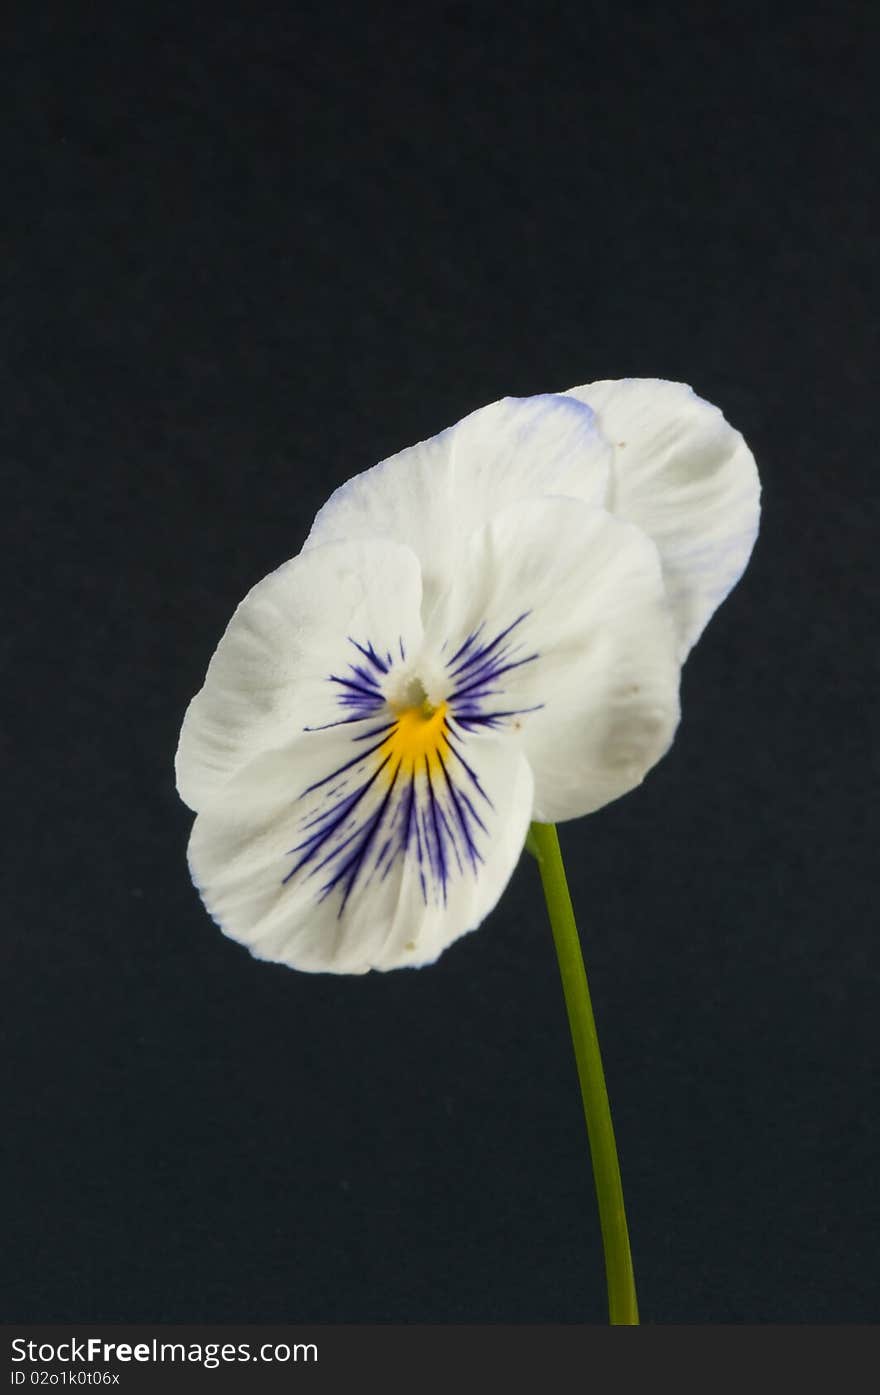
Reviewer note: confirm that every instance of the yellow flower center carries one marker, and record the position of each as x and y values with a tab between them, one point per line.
416	741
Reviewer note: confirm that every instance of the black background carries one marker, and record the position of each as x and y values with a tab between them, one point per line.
249	251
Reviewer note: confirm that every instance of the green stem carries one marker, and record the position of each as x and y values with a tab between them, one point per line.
622	1306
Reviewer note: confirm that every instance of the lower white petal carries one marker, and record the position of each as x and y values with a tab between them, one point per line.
336	855
311	619
558	626
688	479
430	495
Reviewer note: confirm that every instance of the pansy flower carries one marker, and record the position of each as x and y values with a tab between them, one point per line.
484	630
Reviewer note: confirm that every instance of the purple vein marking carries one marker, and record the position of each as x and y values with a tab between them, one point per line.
358	827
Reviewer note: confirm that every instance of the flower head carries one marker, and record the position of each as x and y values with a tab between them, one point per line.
483	630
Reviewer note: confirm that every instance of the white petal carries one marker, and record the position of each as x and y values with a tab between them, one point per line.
330	862
268	677
558	625
433	494
688	479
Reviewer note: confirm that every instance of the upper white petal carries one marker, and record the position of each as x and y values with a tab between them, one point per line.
432	495
313	857
558	624
688	479
269	674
